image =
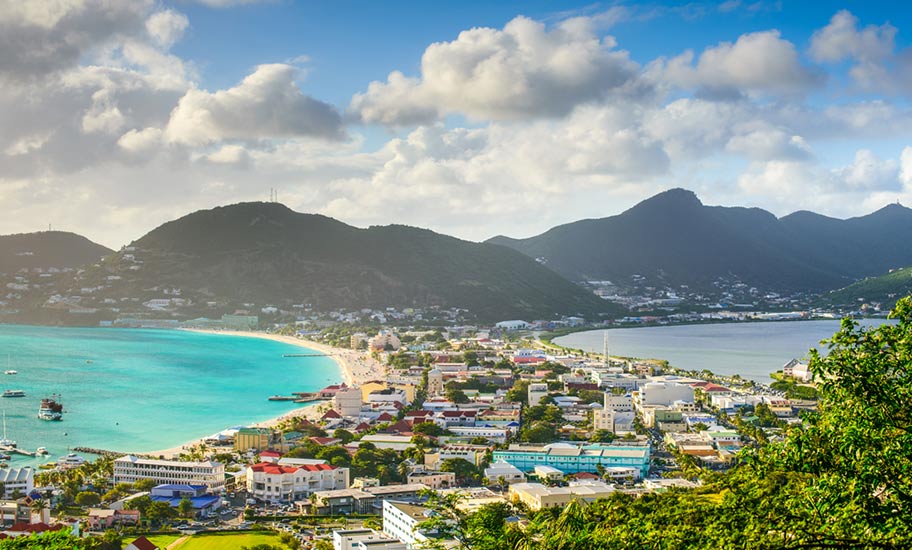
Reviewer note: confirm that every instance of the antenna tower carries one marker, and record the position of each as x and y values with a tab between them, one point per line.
605	350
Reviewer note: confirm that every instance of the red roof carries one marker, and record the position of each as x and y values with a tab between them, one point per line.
142	543
457	414
586	475
362	427
23	527
331	414
417	414
278	469
384	417
270	454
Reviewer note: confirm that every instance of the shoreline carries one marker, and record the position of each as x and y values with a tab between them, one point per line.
355	367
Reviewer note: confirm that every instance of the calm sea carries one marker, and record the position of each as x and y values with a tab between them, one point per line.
753	350
142	390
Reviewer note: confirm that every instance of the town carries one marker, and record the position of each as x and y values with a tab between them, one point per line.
477	418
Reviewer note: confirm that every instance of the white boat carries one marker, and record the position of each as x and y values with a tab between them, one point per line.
6	442
41	451
10	372
8	369
71	460
14	393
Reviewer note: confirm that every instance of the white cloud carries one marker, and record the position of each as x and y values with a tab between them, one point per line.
841	39
760	62
141	141
869	171
521	72
167	27
768	143
39	37
266	104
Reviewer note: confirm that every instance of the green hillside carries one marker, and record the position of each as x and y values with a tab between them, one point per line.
885	289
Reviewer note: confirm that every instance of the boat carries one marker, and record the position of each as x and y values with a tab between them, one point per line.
50	408
14	393
69	461
47	466
8	369
4	456
6	442
41	451
10	372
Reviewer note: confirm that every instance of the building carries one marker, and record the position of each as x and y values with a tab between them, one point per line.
142	543
129	469
571	459
258	439
504	472
347	401
17	481
14	511
368	500
537	392
435	382
665	393
283	483
537	496
434	480
365	539
384	340
101	519
358	340
495	435
474	454
515	324
203	503
613	420
548	473
401	519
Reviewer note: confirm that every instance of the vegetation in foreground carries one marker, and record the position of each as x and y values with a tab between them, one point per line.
842	479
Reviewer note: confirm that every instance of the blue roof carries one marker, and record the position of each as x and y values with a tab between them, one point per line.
197	502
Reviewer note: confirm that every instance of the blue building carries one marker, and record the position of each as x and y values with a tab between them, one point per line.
571	458
204	504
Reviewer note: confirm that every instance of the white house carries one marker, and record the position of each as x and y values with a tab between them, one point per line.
505	471
277	483
17	480
129	469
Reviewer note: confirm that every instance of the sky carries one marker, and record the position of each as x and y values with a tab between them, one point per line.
471	118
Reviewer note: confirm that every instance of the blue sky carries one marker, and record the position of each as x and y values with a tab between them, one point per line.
471	118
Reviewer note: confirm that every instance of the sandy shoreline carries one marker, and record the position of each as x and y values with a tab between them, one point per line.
357	367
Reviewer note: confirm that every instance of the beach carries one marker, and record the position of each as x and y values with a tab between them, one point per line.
357	367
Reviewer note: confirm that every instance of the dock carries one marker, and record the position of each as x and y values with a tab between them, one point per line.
99	452
16	450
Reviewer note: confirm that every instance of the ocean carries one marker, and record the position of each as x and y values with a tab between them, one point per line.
752	350
143	390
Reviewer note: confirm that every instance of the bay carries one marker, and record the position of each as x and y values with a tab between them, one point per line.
751	350
143	390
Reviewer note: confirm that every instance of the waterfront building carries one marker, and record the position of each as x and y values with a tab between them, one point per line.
129	469
285	483
18	481
258	439
571	458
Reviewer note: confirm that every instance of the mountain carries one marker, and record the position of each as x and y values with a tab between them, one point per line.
677	239
885	289
266	253
47	249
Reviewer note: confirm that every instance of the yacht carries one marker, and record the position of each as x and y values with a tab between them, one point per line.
10	372
50	409
6	442
41	451
71	460
14	393
8	369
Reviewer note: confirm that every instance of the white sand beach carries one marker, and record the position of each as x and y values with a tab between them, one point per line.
357	368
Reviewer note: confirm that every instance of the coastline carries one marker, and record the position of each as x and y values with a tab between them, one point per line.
355	366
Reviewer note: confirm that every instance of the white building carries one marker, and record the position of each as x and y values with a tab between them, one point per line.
537	496
277	483
435	382
537	392
613	421
505	471
17	480
347	401
496	435
364	539
400	521
665	393
384	339
618	402
515	324
129	469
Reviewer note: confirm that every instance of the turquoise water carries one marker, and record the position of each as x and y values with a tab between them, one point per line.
143	390
752	350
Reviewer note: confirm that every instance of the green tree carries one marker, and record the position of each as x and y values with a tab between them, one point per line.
88	498
185	508
427	428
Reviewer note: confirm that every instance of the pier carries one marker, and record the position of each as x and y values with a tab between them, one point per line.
99	452
17	450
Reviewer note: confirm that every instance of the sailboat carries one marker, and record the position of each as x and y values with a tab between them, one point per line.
6	442
8	369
